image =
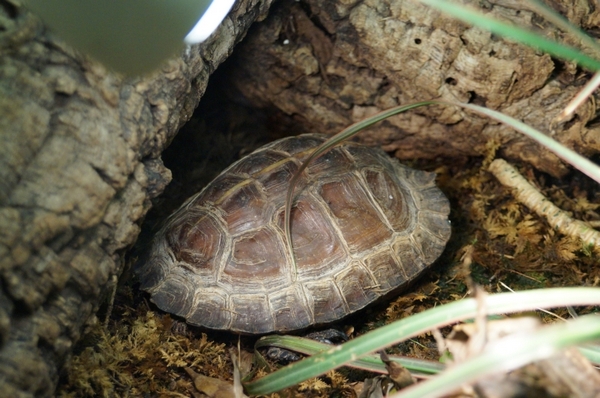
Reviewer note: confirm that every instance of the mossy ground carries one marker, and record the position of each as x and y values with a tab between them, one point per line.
144	352
141	353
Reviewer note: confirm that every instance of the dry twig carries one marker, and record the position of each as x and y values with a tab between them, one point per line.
532	198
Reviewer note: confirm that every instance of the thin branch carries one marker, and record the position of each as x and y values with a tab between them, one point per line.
580	98
532	198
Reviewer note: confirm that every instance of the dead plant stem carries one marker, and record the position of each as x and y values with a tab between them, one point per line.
532	198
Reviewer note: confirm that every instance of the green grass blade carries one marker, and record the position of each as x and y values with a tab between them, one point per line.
406	328
370	363
344	134
591	352
576	160
481	20
561	22
508	354
570	156
583	164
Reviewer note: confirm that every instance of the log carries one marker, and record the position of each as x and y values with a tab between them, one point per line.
79	164
328	64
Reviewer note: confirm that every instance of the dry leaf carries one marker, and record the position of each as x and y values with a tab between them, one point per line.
372	388
211	387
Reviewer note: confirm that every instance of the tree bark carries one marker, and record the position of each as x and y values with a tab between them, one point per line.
331	63
79	162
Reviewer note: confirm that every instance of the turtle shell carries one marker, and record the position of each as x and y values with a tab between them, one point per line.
363	225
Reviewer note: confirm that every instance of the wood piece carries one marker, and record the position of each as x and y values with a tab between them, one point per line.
390	52
79	165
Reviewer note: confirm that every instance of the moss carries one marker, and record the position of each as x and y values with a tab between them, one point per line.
140	355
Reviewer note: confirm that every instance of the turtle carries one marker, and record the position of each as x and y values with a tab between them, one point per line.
363	227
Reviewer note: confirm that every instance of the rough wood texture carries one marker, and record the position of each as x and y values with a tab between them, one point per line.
330	63
364	226
79	163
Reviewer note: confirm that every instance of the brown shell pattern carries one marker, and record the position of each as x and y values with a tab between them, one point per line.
363	225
